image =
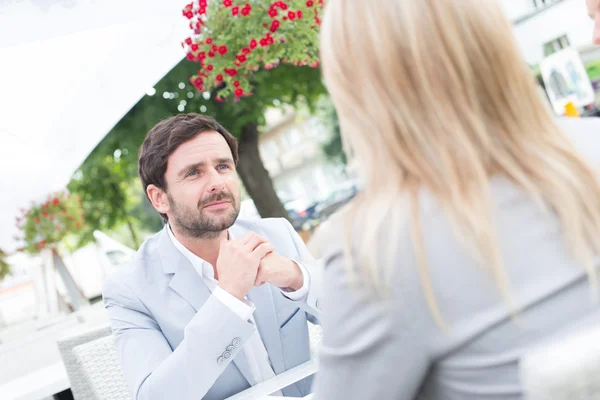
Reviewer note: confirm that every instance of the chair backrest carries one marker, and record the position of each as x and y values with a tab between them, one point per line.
564	369
100	367
66	345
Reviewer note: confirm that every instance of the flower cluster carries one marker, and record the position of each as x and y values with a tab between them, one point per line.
45	225
232	39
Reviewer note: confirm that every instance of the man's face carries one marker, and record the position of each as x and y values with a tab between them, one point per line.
202	187
594	11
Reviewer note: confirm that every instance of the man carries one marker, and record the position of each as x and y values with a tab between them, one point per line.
594	11
210	306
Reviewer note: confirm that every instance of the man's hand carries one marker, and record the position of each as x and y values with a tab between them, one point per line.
238	262
279	271
594	11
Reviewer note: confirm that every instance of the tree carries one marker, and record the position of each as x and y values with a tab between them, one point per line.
250	55
102	183
333	148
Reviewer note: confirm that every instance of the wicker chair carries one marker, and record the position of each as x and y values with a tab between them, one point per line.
79	386
101	370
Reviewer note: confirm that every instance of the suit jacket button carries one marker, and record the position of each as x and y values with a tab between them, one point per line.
226	355
230	349
237	342
220	360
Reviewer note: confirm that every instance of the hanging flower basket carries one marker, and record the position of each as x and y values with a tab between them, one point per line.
45	225
232	39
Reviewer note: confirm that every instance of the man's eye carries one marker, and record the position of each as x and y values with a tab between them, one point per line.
191	174
223	167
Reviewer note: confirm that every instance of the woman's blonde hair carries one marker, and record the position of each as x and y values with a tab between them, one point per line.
434	94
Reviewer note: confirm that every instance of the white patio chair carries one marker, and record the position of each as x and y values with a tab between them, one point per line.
99	364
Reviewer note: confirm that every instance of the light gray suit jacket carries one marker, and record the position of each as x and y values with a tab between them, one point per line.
390	347
177	341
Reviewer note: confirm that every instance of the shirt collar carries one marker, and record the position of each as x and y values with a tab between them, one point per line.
201	266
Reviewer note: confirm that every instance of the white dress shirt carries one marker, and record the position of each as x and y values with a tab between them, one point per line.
254	350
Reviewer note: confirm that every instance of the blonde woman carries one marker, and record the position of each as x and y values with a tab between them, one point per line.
476	234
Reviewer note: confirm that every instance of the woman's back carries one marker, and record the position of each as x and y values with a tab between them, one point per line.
397	350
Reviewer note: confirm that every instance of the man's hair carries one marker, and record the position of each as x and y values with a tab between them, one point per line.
166	137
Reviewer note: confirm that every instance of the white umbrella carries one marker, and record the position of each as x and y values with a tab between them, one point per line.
69	71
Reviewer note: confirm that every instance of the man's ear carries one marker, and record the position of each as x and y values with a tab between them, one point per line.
158	198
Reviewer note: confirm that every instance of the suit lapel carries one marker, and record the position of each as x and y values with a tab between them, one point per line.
268	325
188	284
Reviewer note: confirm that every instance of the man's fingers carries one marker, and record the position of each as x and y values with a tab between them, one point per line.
262	250
259	281
254	242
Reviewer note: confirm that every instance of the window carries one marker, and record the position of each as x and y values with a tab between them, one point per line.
269	150
293	137
556	45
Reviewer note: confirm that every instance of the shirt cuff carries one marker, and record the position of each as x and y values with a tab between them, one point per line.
301	293
243	308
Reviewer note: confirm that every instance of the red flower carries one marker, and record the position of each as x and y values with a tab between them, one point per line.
317	20
239	92
219	78
198	81
211	54
202	11
195	47
236	83
45	213
309	3
189	15
78	224
253	44
283	6
209	41
227	3
209	67
37	220
274	25
263	42
188	41
219	99
232	72
246	10
202	3
272	12
269	40
223	50
235	11
299	14
292	15
43	243
241	58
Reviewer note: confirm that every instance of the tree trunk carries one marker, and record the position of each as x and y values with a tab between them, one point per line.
255	177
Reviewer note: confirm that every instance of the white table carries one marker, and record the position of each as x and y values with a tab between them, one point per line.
264	389
37	385
33	367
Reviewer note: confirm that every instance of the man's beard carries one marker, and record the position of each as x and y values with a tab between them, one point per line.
196	223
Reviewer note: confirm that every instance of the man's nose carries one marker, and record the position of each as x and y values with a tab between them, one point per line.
216	184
